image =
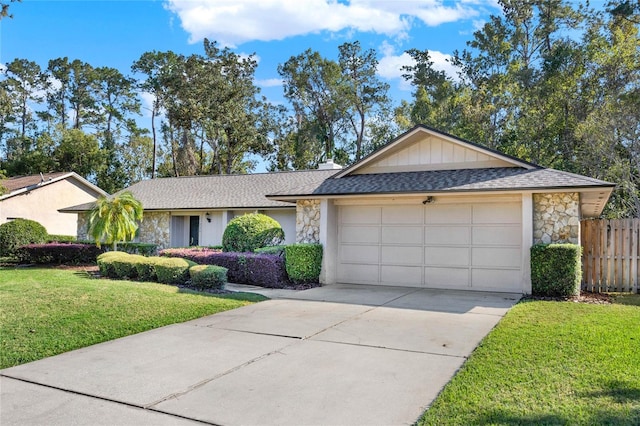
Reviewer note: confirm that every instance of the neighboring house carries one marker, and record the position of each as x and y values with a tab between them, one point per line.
39	197
426	210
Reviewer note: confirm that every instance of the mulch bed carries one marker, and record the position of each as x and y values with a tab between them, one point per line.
584	297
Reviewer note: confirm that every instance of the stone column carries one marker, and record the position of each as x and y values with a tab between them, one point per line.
556	218
308	221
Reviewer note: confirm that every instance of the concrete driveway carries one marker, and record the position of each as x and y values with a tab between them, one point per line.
342	354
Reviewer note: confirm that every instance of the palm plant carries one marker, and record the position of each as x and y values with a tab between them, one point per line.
115	219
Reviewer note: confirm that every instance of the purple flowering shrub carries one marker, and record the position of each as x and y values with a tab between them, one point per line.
59	253
264	270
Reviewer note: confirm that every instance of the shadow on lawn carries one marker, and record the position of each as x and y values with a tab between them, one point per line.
618	391
603	416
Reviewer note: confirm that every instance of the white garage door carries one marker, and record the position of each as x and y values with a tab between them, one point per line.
475	246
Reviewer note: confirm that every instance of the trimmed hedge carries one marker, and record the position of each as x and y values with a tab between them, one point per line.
106	263
264	270
146	268
208	277
58	253
303	262
145	249
556	270
173	270
61	238
125	266
251	231
20	232
279	250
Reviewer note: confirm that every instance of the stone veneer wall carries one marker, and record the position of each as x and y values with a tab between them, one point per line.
82	227
156	228
556	218
308	221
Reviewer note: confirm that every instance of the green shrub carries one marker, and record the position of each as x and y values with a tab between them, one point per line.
61	238
303	262
125	266
208	277
173	270
20	232
145	249
146	268
278	250
251	231
556	270
106	263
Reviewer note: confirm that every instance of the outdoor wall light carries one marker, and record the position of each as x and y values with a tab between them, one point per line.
428	200
208	217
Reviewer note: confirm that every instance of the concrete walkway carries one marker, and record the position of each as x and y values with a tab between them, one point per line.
338	355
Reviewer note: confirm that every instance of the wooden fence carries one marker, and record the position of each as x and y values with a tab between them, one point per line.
611	255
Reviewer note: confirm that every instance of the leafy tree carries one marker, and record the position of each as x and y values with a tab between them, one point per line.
117	101
25	84
78	152
362	88
115	219
4	9
313	86
156	66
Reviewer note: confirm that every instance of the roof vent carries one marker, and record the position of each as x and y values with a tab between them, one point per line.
329	165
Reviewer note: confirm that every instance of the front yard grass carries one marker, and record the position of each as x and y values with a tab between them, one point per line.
44	312
559	363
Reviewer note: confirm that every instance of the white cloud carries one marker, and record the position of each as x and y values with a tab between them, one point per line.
269	82
390	67
233	22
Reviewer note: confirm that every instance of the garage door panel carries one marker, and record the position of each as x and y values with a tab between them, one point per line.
359	254
359	214
447	235
392	215
358	273
402	235
401	275
446	256
497	235
503	213
359	234
446	277
401	255
497	280
497	256
474	246
454	213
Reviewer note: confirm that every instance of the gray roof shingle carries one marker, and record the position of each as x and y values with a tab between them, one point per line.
218	191
465	180
19	182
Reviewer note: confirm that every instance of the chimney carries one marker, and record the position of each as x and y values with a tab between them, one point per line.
329	165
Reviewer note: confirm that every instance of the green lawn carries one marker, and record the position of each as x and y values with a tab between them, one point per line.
557	363
45	312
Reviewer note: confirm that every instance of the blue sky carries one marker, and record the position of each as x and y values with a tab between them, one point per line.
115	33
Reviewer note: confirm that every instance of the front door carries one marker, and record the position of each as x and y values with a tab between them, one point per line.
194	230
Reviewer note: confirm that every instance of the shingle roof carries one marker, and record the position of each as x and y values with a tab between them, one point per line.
465	180
19	182
218	191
